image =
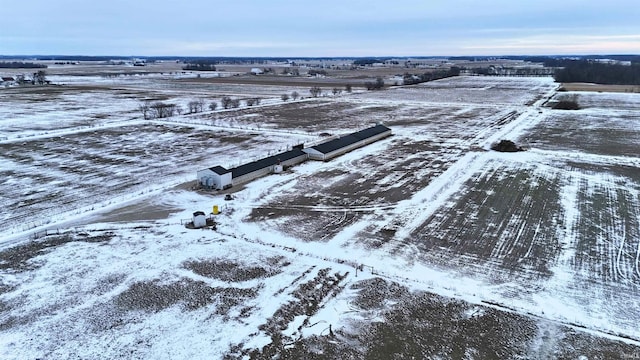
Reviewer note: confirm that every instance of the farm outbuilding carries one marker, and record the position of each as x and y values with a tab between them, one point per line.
199	220
217	178
256	169
344	144
7	81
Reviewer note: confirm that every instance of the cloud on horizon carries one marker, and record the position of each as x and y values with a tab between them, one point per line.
328	28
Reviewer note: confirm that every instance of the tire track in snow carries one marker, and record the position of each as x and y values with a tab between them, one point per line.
428	200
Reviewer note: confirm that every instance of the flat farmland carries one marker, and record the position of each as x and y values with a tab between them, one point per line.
455	124
425	244
41	110
41	177
611	133
321	203
505	216
471	90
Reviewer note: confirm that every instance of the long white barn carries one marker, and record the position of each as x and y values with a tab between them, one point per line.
344	144
219	178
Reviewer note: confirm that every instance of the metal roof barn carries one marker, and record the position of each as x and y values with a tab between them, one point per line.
344	144
255	169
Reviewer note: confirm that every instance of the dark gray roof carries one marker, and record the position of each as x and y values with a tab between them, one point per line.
219	170
371	132
339	143
266	162
335	144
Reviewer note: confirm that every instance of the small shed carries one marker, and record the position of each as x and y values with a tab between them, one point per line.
199	219
216	178
7	80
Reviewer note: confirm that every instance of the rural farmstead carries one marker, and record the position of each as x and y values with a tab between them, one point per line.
219	178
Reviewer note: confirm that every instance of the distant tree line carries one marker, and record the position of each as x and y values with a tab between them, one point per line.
377	85
512	71
565	61
159	110
598	73
365	62
200	65
21	65
410	79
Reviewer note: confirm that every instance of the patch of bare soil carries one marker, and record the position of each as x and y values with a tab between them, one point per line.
507	217
599	87
322	205
18	258
421	325
226	270
309	297
318	115
614	134
154	296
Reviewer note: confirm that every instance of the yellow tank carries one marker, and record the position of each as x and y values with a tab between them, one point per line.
215	211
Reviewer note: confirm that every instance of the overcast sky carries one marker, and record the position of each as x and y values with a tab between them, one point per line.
292	28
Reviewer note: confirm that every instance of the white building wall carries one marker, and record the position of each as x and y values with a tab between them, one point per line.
252	175
203	175
223	181
314	154
210	179
199	221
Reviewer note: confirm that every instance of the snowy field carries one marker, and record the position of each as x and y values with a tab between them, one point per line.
425	244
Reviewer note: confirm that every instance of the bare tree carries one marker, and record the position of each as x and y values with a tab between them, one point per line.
213	106
161	110
347	88
21	79
336	91
145	107
199	105
315	91
192	107
378	85
295	95
253	101
40	77
285	97
235	103
226	102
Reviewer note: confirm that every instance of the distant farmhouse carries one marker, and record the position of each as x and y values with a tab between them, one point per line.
7	81
219	178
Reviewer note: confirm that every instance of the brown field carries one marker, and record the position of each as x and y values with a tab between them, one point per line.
600	87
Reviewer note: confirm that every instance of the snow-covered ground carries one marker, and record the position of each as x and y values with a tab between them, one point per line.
547	238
